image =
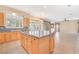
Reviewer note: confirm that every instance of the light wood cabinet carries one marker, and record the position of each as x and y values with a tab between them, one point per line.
26	43
37	45
7	36
26	22
29	44
18	35
2	37
44	45
13	35
1	19
23	41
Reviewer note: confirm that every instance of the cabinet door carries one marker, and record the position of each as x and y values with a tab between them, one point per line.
2	37
1	19
26	22
13	36
29	43
35	46
22	40
44	45
26	42
18	35
7	36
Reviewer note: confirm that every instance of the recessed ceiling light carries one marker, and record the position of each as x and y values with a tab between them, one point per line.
45	6
69	5
14	14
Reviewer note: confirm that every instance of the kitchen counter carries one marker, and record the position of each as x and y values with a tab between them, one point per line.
8	30
35	42
37	34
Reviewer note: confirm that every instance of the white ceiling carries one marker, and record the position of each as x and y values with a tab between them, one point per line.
51	12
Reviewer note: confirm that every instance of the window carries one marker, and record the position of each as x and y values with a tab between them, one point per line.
34	25
14	21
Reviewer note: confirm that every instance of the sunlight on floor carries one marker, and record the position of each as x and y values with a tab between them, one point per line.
13	47
66	43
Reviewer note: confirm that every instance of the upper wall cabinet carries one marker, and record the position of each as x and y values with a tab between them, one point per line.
1	19
26	22
1	16
13	20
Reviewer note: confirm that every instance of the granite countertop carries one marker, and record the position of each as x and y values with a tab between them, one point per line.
36	33
8	29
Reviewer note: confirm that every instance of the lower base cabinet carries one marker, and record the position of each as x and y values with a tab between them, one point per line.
2	37
13	35
44	45
18	35
36	45
26	43
31	44
9	36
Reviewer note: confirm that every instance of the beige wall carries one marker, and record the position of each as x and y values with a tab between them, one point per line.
69	27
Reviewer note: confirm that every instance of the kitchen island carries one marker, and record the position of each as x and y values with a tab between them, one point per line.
35	44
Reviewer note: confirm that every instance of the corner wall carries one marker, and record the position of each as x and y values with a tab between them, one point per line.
69	27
